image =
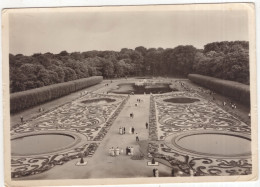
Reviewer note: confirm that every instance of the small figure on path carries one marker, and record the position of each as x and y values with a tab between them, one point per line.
112	152
124	130
129	151
132	150
126	151
133	130
137	138
154	170
117	151
21	119
156	173
121	130
146	125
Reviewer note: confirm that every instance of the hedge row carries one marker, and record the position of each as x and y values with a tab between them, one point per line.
29	98
236	90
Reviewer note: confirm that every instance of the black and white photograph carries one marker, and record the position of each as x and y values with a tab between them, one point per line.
130	94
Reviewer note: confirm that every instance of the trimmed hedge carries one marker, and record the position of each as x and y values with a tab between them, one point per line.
29	98
236	90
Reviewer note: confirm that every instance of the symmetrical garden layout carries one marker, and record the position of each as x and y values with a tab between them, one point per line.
201	123
85	119
186	132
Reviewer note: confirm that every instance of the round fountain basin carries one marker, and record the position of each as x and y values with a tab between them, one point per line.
40	143
181	100
219	144
100	101
130	88
211	143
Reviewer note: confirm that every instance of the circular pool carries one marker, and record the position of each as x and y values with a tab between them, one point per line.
99	101
132	88
40	143
211	144
184	100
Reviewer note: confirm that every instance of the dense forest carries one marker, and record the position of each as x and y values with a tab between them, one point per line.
225	60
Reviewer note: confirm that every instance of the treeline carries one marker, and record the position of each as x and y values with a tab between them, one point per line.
29	98
236	90
226	60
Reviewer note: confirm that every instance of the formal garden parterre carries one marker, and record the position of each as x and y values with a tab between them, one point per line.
87	121
201	116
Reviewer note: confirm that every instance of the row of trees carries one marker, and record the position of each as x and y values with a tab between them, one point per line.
226	60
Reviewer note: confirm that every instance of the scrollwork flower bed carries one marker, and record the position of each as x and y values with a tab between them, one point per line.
201	166
199	116
92	121
74	116
153	134
110	121
25	166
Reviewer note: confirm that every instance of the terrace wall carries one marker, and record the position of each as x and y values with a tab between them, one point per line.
29	98
236	90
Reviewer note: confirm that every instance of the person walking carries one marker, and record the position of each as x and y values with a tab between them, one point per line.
117	151
132	150
112	151
154	170
126	151
137	138
156	173
129	151
124	130
146	125
133	130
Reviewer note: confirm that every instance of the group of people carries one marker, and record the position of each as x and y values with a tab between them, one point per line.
233	105
115	151
129	150
121	130
138	101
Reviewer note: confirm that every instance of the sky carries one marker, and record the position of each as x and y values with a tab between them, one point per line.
54	32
